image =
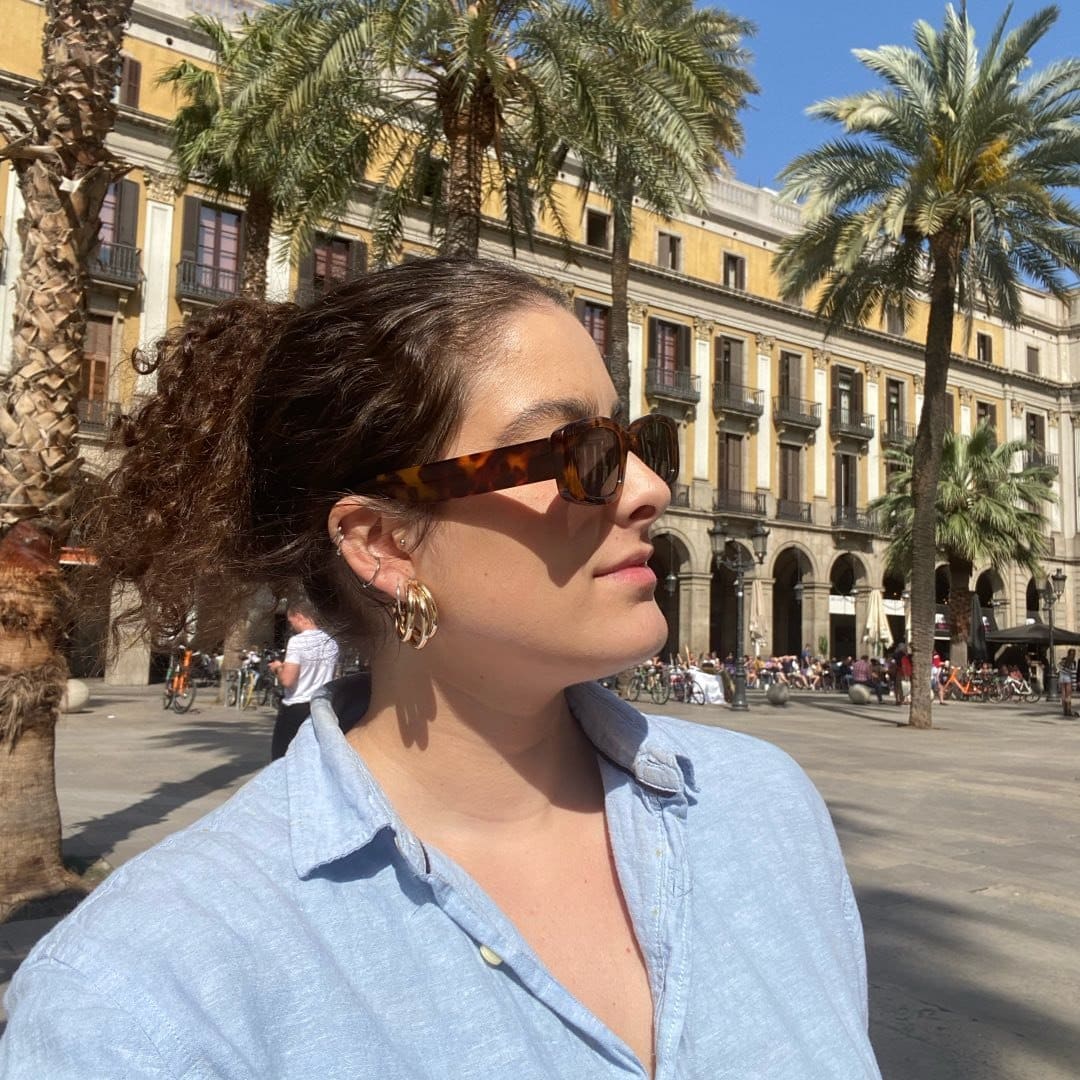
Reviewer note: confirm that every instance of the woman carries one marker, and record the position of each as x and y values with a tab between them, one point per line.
1066	680
480	863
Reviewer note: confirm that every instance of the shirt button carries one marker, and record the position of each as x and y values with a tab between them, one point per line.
490	956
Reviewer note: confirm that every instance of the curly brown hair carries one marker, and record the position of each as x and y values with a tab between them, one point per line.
266	414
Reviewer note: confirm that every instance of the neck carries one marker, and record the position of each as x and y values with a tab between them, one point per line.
466	751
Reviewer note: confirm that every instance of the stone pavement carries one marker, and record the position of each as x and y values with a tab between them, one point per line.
962	844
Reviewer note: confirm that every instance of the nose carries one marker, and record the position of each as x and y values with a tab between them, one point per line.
644	496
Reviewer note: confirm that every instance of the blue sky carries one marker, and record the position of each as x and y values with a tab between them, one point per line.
802	53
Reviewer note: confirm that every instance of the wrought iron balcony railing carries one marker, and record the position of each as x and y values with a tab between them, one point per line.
851	519
793	510
733	398
796	412
210	284
117	264
95	417
855	425
1033	458
897	433
676	384
680	495
740	503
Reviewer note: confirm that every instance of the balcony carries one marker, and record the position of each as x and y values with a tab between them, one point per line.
733	398
680	495
793	510
740	503
207	284
845	423
850	519
673	384
116	264
96	417
1035	458
897	433
796	412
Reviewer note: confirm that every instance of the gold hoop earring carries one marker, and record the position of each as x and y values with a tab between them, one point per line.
371	580
417	616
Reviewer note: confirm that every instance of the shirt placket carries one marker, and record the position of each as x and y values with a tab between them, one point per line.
647	830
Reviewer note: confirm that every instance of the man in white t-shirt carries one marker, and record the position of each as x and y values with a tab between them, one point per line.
310	661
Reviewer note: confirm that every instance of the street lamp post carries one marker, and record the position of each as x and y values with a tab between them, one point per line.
1051	593
720	540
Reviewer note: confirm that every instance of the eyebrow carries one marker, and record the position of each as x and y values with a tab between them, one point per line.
557	410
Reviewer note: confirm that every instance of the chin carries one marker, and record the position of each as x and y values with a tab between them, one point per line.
640	638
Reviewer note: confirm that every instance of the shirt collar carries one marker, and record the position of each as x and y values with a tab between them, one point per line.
336	807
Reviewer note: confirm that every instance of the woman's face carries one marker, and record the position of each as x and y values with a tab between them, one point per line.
523	578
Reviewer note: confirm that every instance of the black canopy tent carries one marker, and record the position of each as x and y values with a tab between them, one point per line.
1035	633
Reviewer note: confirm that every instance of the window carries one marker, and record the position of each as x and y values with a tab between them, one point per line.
127	90
894	320
598	229
790	473
331	260
950	412
728	361
670	354
669	251
210	250
730	466
734	271
1035	430
428	178
984	348
986	413
894	406
790	382
847	394
119	218
847	481
594	317
1033	359
97	352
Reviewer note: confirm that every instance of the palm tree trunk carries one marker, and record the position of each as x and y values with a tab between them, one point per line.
63	170
469	132
959	610
258	221
926	465
618	357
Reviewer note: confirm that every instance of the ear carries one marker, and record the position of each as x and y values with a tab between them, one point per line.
375	552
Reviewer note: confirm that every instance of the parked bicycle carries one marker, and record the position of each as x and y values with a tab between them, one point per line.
654	681
179	693
971	685
685	688
242	682
1014	687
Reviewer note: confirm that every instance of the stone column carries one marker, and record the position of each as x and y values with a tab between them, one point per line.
821	443
278	268
815	613
703	334
873	450
129	664
1053	446
966	401
765	345
694	599
161	191
637	359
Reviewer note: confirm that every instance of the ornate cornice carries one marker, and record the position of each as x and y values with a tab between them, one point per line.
704	328
821	359
1016	406
765	344
635	309
873	373
919	383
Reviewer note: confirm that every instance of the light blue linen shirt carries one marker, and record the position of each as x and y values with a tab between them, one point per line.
301	931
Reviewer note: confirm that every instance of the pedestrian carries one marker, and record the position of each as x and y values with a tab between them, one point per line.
1066	680
311	657
474	861
937	687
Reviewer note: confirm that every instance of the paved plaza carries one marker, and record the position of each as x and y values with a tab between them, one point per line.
962	843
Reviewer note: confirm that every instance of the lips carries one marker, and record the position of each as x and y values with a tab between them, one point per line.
637	559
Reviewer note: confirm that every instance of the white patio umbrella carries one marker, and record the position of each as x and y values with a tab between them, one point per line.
757	614
877	631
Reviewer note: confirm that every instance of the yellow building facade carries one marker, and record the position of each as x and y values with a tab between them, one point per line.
780	426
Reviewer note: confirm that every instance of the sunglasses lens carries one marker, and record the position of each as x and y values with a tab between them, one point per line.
659	446
596	458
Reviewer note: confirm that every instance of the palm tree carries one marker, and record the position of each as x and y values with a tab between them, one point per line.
56	146
672	113
987	512
200	154
950	185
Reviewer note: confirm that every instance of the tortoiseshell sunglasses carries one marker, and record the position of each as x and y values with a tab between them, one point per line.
587	458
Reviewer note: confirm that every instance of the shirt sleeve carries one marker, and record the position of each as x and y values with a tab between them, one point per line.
63	1028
